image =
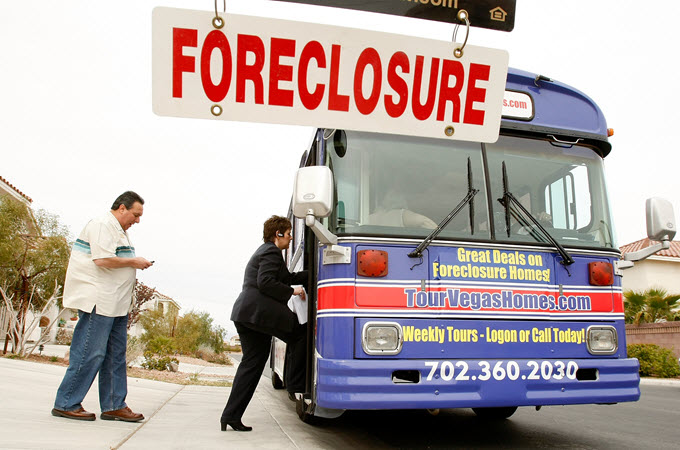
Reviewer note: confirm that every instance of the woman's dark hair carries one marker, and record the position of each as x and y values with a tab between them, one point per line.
127	198
273	225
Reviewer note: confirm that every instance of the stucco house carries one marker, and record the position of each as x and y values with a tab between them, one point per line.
235	341
7	189
661	270
159	302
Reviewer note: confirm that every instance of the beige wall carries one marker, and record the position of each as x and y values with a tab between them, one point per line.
655	271
8	191
666	334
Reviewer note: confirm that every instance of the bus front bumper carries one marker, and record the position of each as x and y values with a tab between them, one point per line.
422	384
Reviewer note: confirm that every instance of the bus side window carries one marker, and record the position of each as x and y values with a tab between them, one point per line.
564	199
296	248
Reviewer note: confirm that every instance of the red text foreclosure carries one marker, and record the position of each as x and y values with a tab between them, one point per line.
403	74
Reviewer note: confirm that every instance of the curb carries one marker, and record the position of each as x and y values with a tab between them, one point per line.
660	381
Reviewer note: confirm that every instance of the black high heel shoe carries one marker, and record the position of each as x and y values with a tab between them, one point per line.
236	425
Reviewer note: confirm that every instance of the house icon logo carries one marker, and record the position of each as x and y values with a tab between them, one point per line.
498	14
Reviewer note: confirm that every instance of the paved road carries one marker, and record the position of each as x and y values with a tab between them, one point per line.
650	423
653	422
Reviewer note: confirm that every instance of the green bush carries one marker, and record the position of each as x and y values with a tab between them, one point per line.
160	345
655	361
156	354
157	362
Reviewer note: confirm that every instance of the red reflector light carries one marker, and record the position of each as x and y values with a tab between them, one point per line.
372	263
601	273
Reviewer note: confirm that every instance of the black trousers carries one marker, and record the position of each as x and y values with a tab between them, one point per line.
255	344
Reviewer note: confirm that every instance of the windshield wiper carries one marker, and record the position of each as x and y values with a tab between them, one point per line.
526	219
469	198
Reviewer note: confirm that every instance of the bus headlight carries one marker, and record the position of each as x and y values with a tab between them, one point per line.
602	340
382	338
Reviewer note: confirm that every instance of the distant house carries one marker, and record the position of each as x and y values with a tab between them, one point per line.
163	303
7	189
660	270
159	302
235	341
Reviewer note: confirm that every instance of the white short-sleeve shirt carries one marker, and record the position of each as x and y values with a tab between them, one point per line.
88	285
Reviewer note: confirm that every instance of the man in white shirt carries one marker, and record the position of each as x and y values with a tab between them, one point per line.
99	282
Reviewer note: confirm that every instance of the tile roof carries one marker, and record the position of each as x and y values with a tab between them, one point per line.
15	189
165	298
673	252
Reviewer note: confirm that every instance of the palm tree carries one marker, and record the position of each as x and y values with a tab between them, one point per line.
650	306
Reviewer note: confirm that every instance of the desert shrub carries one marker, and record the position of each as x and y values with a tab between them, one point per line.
64	336
195	330
220	358
233	348
135	349
160	345
654	360
206	353
157	362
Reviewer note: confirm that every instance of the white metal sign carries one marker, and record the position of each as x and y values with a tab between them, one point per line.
518	105
268	70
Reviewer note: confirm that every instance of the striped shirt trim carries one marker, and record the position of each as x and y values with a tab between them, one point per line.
125	252
82	246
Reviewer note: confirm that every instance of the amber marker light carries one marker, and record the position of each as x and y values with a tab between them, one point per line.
601	273
372	263
610	132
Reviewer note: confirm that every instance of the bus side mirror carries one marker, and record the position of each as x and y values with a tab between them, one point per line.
313	192
313	198
660	219
660	227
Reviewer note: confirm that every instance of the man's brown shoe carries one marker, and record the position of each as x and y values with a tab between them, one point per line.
78	414
124	414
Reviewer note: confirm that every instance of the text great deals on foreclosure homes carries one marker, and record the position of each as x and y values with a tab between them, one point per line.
268	70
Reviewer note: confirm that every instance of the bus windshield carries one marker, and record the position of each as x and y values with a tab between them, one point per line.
400	186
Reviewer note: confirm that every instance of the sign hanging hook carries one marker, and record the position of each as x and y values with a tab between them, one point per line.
217	21
463	16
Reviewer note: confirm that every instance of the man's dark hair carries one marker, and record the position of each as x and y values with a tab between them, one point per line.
127	198
274	225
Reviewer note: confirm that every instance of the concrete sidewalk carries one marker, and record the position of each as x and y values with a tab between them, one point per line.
176	416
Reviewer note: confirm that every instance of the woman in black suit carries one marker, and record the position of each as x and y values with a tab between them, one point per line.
261	312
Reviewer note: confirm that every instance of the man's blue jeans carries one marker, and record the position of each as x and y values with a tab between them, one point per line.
98	346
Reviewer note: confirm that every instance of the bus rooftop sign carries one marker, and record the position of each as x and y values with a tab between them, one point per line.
492	14
276	71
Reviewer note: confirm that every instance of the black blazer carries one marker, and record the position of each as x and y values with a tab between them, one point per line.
266	291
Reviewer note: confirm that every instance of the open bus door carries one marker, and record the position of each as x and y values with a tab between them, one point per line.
301	256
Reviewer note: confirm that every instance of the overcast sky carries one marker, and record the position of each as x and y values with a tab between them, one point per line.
77	129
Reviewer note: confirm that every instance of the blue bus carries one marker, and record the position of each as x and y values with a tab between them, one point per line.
451	274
